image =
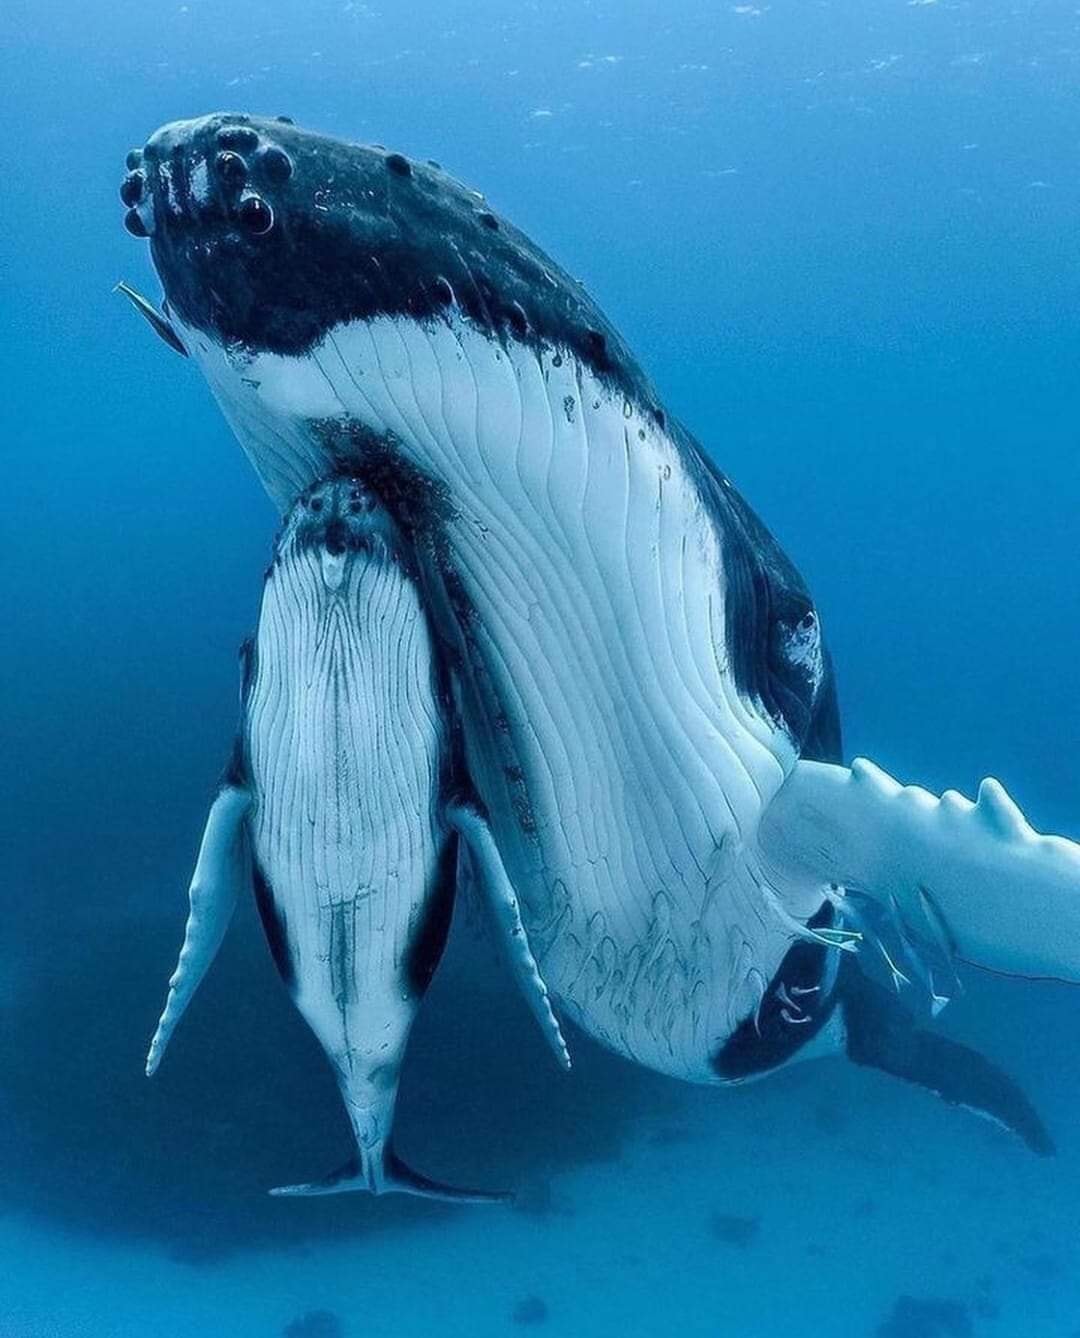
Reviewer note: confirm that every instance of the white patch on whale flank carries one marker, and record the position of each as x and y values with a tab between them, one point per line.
199	181
166	172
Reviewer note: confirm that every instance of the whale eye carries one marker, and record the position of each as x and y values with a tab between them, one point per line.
255	215
315	504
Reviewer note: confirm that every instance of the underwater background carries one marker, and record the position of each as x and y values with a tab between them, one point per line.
842	236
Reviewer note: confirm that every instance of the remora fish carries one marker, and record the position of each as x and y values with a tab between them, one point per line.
648	705
344	792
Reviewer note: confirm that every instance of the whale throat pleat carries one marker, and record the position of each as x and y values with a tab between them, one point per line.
623	770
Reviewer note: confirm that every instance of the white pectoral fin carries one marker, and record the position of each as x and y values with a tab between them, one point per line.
975	876
220	871
498	893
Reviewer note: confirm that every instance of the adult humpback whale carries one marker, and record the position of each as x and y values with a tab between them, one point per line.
648	705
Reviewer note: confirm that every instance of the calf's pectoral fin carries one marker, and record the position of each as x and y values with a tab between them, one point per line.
220	871
499	894
973	877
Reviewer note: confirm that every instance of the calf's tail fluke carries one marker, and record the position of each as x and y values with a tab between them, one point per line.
387	1174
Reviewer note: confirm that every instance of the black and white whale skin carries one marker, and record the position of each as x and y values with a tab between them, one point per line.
639	669
344	790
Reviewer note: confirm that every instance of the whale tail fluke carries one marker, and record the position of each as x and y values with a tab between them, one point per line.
405	1180
880	1033
394	1177
933	883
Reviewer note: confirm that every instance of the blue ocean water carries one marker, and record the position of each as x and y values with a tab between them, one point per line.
842	238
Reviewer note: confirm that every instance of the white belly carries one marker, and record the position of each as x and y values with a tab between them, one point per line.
624	774
344	743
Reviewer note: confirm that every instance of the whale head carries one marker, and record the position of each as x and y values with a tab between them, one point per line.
357	311
339	516
265	236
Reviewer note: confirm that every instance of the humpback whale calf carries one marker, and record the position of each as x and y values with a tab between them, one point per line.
646	700
344	799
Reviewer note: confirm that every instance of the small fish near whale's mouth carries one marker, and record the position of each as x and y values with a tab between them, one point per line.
158	320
